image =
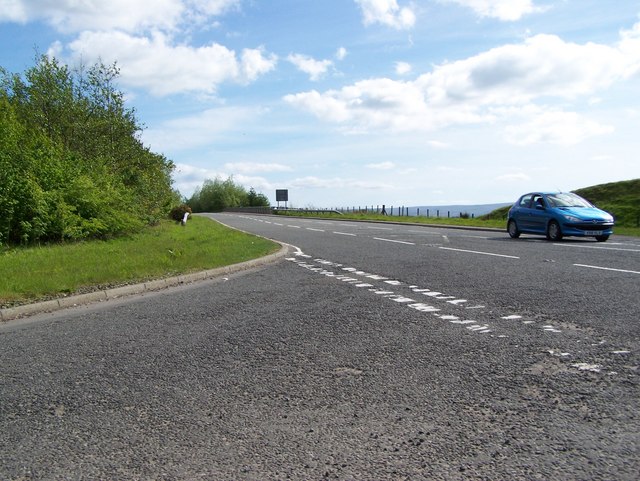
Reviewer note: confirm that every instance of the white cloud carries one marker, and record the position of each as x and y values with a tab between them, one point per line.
337	183
341	53
403	68
386	12
513	177
189	178
382	166
436	144
505	10
198	130
125	15
629	46
255	63
314	68
156	64
491	86
555	127
253	167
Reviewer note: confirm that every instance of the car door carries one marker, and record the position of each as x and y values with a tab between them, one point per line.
538	214
522	213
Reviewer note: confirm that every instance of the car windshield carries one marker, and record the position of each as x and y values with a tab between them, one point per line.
567	200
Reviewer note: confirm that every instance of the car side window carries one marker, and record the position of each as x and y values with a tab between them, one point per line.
537	201
525	200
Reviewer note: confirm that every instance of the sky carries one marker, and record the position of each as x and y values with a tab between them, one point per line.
363	102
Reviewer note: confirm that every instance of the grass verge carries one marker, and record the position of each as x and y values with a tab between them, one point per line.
37	273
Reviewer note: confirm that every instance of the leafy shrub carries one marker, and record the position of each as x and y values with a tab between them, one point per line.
71	163
217	195
178	212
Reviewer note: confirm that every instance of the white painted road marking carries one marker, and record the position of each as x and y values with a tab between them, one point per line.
478	252
607	268
598	247
455	303
396	241
345	233
314	230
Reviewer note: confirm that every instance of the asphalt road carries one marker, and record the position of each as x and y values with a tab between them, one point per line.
371	352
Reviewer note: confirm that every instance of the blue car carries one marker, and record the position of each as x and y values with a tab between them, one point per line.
557	215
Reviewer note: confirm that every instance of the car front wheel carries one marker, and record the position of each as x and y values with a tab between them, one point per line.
512	229
553	231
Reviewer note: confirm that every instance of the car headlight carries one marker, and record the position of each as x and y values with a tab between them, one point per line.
571	218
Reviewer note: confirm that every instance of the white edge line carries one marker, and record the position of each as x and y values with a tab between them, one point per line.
606	268
478	252
393	240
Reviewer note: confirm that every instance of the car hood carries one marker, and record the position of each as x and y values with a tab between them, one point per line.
587	213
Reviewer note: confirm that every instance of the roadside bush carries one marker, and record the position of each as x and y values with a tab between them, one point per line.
178	212
217	195
72	165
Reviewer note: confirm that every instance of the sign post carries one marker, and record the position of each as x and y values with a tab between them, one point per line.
282	195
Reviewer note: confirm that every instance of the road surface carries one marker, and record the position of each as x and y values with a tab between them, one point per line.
372	351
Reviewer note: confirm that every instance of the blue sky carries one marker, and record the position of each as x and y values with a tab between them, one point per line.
364	102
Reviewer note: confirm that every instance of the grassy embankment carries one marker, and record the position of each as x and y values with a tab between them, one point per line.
622	199
35	273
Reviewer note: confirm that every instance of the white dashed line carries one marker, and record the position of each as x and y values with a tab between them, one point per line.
345	233
597	247
395	241
478	252
606	268
423	307
314	230
359	278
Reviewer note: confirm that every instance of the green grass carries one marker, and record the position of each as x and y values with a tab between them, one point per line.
622	199
34	273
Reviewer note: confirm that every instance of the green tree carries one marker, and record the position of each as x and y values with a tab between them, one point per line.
257	200
72	164
217	195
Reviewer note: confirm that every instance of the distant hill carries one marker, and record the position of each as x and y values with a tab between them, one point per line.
622	199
